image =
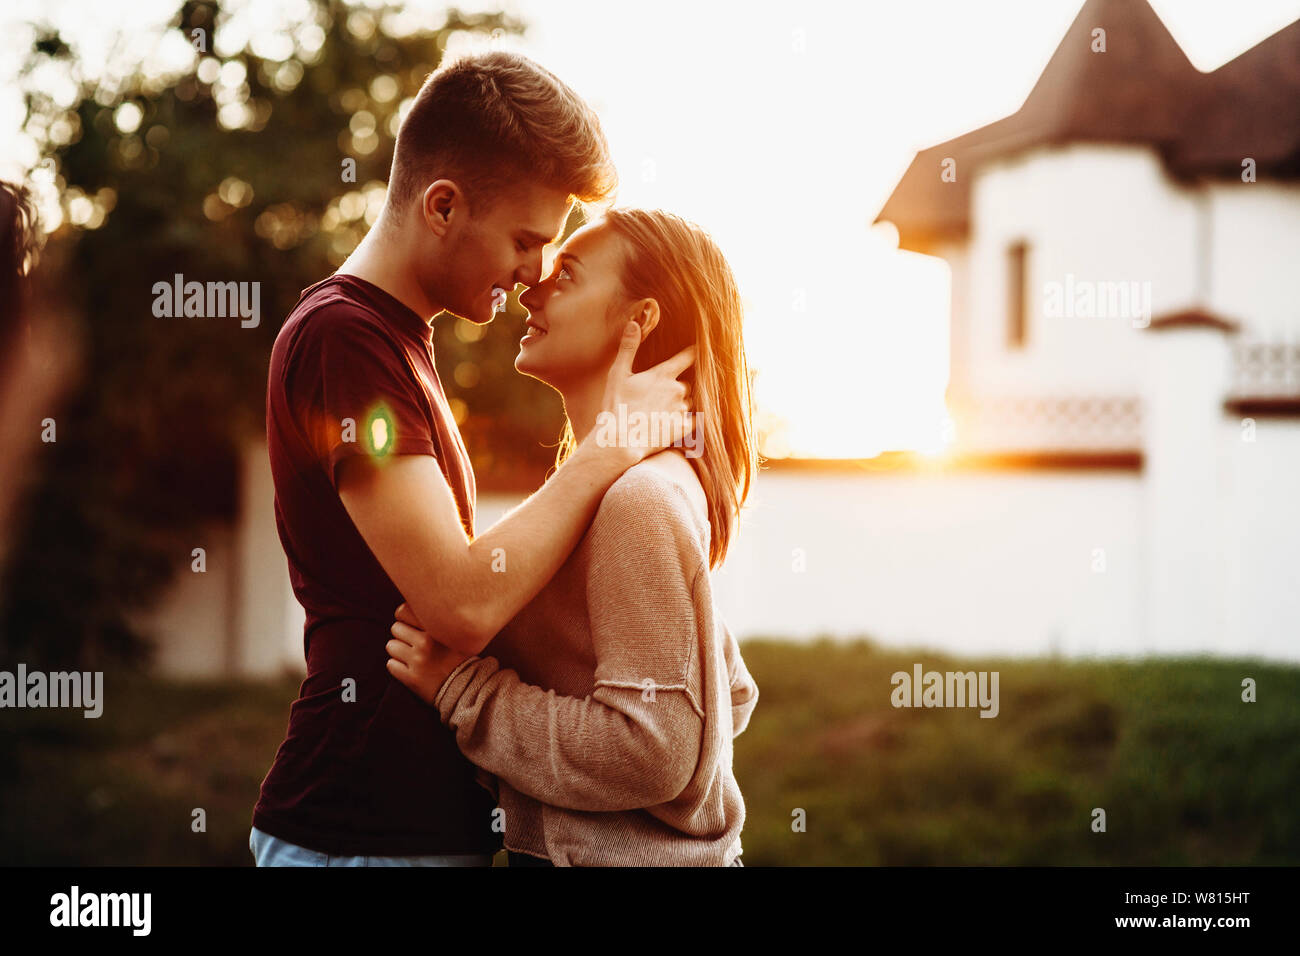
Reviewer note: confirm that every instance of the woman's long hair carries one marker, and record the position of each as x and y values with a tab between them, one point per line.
678	264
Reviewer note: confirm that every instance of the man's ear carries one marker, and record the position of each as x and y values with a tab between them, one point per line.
443	206
646	315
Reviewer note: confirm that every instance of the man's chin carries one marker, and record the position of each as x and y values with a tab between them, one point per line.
475	311
474	317
482	316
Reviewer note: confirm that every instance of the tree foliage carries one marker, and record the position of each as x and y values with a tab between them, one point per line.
232	168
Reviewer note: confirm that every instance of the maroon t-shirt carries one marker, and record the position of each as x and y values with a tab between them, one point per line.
352	375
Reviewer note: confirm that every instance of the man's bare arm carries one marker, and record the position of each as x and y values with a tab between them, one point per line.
465	591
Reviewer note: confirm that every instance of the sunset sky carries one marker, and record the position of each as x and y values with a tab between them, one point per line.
780	128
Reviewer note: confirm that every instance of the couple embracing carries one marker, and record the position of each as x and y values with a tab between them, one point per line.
562	683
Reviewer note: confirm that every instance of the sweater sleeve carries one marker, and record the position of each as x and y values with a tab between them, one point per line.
635	741
744	692
612	750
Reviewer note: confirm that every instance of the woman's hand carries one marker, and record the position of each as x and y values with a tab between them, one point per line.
417	660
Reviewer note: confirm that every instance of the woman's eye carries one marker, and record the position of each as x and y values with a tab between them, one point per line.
564	273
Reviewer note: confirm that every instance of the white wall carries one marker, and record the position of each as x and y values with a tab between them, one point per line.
189	625
1255	267
268	619
239	617
1184	493
967	562
978	562
1100	213
957	255
1259	523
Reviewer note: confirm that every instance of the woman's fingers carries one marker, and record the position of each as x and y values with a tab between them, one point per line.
410	635
678	363
401	651
403	673
406	615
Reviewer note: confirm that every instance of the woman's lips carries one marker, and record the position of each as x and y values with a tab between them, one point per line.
534	332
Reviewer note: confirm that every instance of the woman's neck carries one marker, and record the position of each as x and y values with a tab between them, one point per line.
582	405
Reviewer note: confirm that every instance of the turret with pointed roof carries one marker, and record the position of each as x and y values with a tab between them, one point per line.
1142	90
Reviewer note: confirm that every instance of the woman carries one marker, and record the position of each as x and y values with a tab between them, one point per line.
606	709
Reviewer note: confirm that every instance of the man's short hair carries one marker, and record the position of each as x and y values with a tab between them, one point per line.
495	119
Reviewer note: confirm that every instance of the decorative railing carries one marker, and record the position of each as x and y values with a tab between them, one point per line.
1264	368
1084	423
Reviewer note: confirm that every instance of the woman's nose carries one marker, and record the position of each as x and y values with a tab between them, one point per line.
532	297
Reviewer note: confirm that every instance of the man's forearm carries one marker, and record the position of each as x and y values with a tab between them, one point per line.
511	562
464	591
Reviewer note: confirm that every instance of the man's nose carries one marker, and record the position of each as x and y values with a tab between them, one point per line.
530	274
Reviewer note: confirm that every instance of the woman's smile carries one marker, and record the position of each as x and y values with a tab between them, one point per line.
535	331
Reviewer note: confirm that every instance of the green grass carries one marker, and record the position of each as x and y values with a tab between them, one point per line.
1186	772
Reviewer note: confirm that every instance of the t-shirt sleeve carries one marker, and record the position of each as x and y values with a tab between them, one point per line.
363	395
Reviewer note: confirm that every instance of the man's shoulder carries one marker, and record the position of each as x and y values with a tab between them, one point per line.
331	336
329	309
341	330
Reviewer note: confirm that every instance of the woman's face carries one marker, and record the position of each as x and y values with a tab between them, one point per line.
573	326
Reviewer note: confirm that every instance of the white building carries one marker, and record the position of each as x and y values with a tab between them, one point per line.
1124	253
1125	388
1125	380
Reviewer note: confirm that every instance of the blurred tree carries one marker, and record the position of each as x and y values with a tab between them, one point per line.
227	156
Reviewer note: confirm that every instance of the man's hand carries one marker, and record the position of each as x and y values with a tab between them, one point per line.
417	660
654	397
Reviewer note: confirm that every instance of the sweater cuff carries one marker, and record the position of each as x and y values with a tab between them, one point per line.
447	706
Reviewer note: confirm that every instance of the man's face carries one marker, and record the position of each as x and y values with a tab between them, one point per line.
499	247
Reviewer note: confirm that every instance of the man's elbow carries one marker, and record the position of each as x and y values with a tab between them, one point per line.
467	630
454	625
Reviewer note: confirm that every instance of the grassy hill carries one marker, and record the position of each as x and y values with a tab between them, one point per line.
1186	772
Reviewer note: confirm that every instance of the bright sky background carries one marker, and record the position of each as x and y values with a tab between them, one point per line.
781	128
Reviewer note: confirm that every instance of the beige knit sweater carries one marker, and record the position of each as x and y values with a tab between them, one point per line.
607	707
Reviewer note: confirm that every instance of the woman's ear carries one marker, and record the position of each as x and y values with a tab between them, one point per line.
646	316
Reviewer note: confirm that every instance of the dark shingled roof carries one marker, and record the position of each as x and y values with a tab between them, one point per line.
1143	89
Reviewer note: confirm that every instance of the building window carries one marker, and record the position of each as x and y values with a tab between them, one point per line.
1017	294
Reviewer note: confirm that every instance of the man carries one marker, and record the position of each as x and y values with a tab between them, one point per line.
374	490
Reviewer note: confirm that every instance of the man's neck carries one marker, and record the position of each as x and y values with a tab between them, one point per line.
383	259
